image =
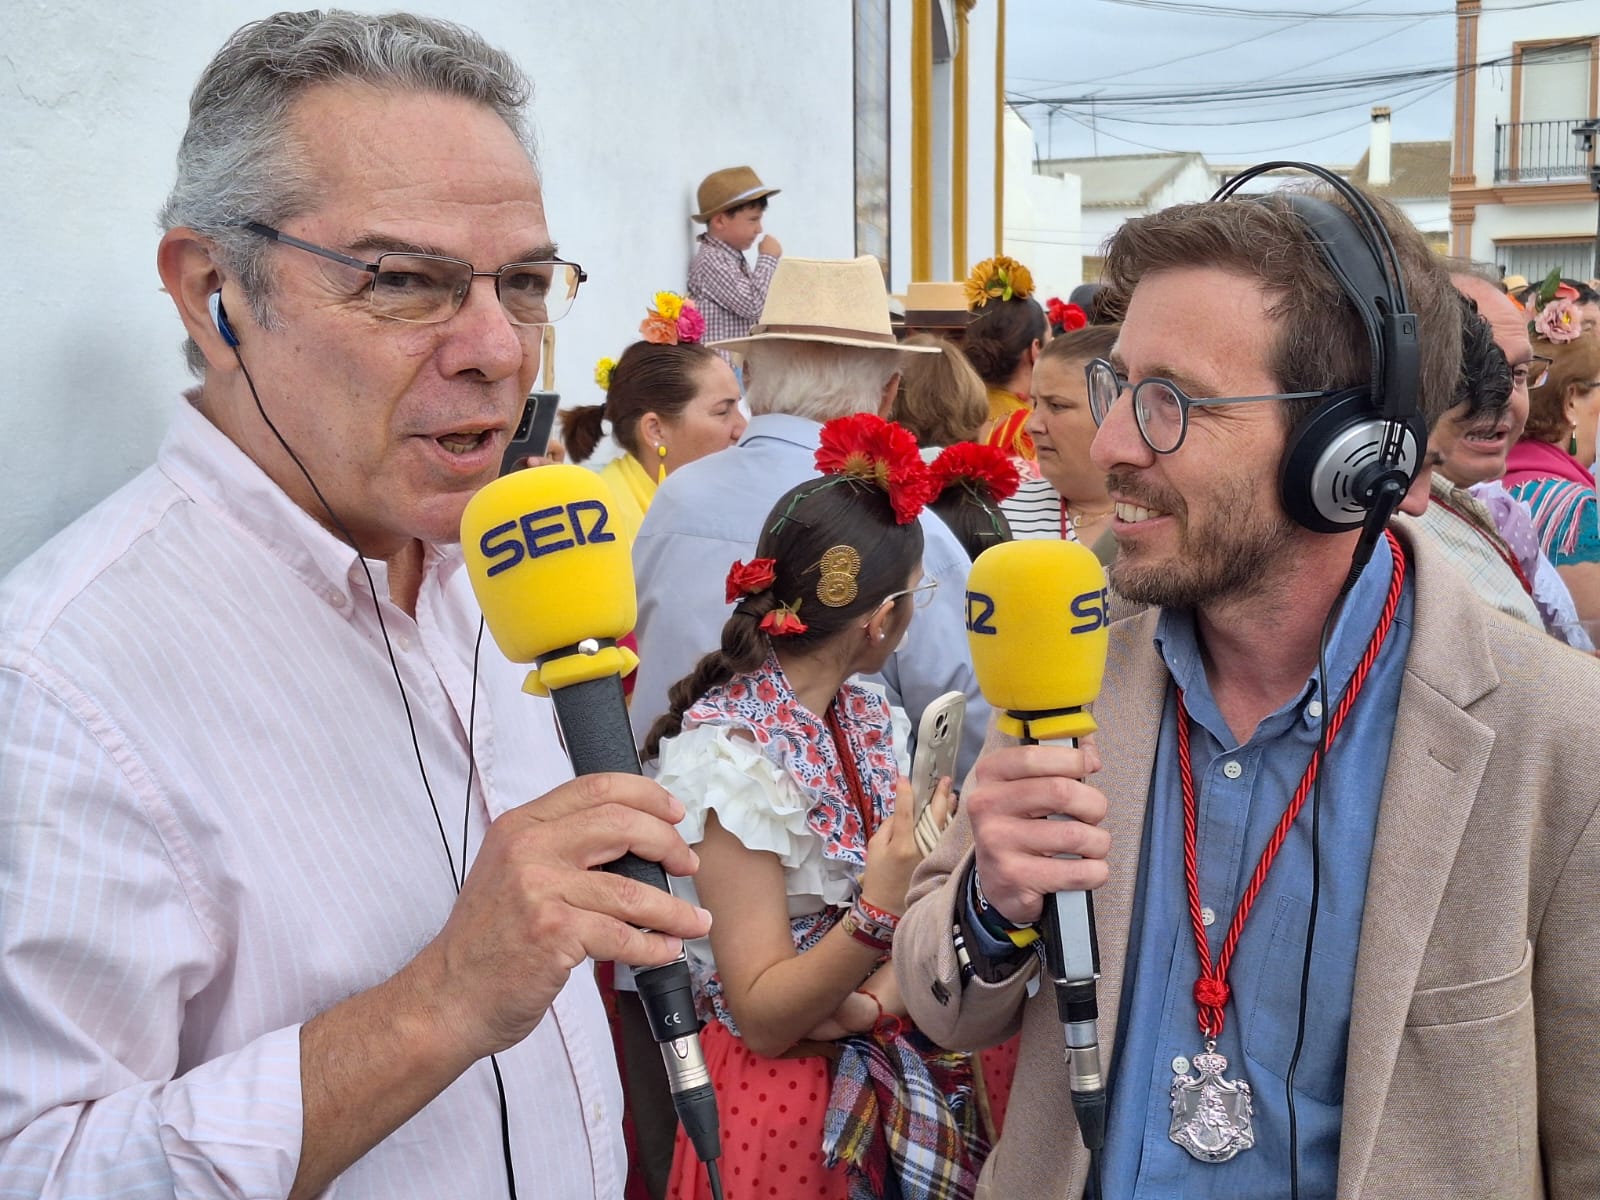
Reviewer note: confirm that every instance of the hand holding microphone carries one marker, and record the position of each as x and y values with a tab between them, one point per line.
555	583
1036	625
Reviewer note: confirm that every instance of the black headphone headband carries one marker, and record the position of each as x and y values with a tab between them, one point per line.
1365	443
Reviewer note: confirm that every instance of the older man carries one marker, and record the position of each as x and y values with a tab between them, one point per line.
1484	530
823	350
1430	1034
245	774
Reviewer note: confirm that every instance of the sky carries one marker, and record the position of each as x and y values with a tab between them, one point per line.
1112	50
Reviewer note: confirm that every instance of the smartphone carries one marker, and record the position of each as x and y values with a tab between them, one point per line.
532	435
938	739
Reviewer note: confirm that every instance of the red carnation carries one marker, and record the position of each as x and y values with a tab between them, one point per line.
1065	317
986	467
746	579
865	446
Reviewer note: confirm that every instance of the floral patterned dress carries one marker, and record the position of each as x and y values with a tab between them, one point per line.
778	788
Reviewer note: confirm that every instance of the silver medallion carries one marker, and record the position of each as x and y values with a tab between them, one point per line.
1211	1116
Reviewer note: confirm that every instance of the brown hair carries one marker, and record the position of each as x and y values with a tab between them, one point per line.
805	523
942	399
1321	343
1570	362
1092	341
1000	334
647	378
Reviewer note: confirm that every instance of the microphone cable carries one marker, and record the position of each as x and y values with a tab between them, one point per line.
1371	530
411	724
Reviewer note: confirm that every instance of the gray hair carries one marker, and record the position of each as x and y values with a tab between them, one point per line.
818	380
238	160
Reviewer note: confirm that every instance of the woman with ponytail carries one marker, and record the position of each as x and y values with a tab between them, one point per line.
1003	341
669	401
792	775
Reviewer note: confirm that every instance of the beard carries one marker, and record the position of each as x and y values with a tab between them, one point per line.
1234	552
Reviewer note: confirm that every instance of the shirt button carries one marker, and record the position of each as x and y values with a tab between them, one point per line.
1208	916
596	1113
403	641
1232	769
1314	708
1180	1065
336	597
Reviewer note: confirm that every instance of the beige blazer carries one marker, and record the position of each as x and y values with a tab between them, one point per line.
1474	1053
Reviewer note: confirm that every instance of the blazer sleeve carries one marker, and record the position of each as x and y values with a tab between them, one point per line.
957	1016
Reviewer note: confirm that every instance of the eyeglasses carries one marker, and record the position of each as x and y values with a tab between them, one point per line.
1161	407
1532	373
922	594
424	289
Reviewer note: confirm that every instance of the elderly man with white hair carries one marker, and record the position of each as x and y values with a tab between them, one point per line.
823	349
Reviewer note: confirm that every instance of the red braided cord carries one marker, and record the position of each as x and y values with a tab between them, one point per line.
1211	1014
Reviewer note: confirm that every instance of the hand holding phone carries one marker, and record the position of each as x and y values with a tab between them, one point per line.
938	740
531	438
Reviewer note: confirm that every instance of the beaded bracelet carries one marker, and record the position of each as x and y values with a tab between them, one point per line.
886	1026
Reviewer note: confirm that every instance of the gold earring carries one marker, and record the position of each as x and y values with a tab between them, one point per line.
661	469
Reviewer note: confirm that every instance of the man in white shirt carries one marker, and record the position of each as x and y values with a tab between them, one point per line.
251	752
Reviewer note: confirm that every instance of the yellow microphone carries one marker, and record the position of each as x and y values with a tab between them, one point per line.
551	574
554	579
1037	627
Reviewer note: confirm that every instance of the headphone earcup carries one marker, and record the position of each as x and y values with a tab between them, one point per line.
219	318
1333	462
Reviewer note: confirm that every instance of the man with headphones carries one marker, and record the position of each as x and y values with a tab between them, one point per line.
296	881
1374	978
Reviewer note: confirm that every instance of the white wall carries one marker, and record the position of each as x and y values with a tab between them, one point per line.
634	103
1044	216
1551	222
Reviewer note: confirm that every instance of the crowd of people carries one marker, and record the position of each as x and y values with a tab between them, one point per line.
299	886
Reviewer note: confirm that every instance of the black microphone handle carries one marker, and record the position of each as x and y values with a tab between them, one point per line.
594	724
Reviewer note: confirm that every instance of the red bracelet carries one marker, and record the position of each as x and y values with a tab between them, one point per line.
881	915
870	936
885	1027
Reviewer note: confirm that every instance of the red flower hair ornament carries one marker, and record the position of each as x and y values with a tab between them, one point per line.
984	468
746	579
882	453
783	621
1065	317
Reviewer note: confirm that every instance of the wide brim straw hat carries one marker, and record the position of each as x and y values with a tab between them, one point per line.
729	188
937	305
838	302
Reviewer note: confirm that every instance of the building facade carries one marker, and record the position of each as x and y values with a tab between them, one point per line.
1522	184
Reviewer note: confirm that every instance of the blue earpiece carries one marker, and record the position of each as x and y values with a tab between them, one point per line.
219	318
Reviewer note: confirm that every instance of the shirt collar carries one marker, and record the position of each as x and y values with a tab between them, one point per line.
783	427
1178	643
711	239
205	464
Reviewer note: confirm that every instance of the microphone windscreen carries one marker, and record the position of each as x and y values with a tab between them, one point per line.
546	562
1037	628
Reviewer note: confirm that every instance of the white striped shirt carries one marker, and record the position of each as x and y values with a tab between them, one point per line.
214	828
1034	511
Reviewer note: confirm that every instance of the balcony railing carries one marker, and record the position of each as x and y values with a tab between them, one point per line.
1539	152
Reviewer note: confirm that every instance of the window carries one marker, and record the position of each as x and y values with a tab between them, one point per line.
1533	260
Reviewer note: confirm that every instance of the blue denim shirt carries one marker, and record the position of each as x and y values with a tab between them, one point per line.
1241	792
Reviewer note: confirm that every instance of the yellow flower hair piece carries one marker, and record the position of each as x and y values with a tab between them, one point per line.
669	305
998	278
602	373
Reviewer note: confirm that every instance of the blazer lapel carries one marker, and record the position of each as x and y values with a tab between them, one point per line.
1437	758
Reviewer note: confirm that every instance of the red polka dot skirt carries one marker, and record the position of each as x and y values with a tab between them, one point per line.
771	1111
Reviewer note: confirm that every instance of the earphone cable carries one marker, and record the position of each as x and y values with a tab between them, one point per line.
416	744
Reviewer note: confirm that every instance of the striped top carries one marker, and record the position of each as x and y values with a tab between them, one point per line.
215	829
1034	511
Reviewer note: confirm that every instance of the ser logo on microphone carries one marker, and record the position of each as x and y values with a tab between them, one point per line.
1088	607
544	531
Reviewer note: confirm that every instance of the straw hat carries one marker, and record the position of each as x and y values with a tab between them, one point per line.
937	305
838	301
729	188
1515	283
